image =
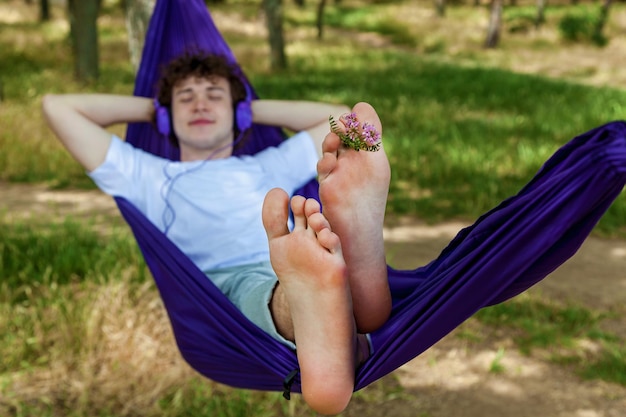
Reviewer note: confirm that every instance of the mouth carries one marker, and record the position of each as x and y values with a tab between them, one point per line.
200	122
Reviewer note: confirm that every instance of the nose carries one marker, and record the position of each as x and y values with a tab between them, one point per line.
201	103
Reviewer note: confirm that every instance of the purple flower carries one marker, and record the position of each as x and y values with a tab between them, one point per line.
370	134
356	137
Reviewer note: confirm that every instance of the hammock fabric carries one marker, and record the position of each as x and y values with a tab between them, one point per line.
506	251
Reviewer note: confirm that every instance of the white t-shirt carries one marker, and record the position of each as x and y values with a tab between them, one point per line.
210	209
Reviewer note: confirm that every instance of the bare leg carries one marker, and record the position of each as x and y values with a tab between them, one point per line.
312	279
353	189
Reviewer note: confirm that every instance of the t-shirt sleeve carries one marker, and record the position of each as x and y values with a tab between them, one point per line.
293	162
121	170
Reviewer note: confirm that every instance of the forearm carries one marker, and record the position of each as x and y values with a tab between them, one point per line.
295	115
79	121
102	109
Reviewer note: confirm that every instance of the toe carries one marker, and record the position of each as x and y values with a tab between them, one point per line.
276	213
326	165
318	222
297	208
331	143
366	113
311	206
330	241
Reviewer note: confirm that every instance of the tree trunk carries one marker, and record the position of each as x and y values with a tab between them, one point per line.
495	23
44	10
440	7
320	19
602	19
138	14
274	21
83	16
540	19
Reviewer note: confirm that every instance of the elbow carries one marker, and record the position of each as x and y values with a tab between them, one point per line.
49	103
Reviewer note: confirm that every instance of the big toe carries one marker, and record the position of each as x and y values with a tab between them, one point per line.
366	113
276	213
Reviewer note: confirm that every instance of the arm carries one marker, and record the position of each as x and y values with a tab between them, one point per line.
298	116
79	121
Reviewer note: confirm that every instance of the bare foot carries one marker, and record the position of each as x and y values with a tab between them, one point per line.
312	275
353	189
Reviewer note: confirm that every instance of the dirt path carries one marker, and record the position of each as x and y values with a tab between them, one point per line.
453	378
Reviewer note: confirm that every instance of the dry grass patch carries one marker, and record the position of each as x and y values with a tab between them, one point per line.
103	347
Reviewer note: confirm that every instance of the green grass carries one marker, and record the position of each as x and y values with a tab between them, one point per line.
457	144
370	18
201	399
541	324
32	255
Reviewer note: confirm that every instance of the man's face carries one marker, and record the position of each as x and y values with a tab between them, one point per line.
202	112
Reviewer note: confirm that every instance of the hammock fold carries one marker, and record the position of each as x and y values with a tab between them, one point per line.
505	252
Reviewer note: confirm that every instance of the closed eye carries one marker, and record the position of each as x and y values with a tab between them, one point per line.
185	97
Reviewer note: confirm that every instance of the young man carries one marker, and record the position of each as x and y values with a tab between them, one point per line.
327	280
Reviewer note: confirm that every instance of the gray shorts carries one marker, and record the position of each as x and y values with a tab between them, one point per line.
250	288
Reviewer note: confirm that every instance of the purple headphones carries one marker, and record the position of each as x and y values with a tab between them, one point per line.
243	115
162	118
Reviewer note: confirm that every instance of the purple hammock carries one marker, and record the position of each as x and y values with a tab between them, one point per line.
506	251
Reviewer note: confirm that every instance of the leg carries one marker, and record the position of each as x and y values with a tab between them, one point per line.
312	279
353	190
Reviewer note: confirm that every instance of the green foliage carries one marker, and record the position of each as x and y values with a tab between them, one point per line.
520	19
582	26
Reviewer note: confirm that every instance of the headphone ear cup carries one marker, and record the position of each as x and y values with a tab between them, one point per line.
243	115
162	119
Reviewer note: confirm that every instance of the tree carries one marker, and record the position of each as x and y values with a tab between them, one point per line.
440	6
540	19
83	15
138	14
44	10
274	21
495	22
320	19
598	35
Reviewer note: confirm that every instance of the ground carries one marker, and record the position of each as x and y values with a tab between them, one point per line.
453	378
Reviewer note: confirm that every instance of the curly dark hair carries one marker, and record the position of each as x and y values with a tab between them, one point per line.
201	65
